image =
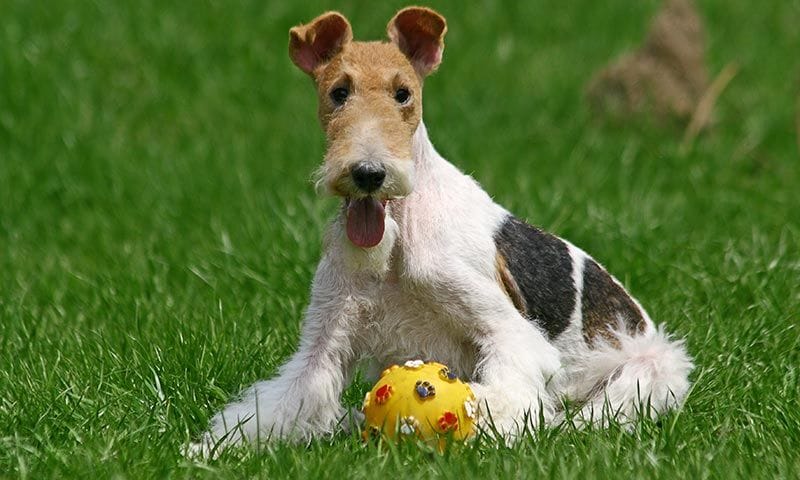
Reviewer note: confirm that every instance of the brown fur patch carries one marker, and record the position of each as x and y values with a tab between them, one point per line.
606	307
506	280
665	77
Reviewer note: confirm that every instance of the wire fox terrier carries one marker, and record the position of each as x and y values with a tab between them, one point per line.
421	263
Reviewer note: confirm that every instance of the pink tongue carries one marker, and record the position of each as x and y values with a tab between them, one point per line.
365	224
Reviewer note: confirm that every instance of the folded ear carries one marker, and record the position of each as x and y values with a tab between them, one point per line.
320	40
419	33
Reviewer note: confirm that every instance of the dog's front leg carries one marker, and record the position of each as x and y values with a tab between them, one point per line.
515	366
303	399
515	363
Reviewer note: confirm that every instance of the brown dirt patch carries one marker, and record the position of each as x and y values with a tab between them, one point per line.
665	77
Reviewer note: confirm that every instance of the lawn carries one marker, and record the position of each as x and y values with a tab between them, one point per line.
158	230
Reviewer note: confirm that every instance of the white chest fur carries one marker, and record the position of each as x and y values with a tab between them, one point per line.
409	286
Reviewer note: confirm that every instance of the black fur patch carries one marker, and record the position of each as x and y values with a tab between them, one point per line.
605	303
542	268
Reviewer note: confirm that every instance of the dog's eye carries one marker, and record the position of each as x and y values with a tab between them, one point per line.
402	95
339	95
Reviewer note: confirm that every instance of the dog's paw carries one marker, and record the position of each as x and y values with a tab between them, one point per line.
507	413
264	413
203	449
213	442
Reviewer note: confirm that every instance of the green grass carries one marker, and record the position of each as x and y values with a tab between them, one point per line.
158	231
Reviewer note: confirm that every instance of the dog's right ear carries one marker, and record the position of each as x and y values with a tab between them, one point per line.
320	40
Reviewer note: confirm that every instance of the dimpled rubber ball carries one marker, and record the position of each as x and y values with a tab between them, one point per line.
419	400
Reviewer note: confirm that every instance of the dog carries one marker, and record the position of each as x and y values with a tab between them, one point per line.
421	263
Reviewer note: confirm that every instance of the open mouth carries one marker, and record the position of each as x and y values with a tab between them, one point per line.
365	221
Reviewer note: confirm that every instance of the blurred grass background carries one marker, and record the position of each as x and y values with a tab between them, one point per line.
158	231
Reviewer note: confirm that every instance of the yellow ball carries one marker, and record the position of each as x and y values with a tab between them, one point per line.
420	400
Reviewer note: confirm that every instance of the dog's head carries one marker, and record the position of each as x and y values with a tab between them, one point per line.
370	105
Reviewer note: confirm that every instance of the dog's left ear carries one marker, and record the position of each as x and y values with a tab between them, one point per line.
419	33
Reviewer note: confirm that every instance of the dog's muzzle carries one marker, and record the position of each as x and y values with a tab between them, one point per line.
368	176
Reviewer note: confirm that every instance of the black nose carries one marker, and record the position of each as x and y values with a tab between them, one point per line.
368	176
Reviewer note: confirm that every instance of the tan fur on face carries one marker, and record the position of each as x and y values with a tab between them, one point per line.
370	124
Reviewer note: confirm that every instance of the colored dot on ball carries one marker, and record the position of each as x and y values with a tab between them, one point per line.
383	393
446	374
424	389
448	421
